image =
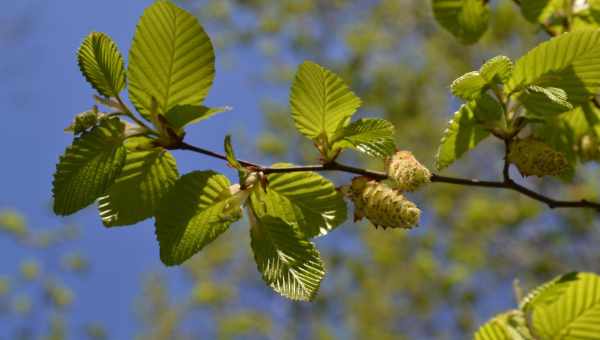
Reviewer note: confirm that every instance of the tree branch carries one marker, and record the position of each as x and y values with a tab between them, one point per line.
506	167
506	184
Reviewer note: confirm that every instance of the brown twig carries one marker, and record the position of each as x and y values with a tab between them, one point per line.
506	184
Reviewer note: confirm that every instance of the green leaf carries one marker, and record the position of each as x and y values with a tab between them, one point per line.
497	70
575	314
569	62
557	132
548	293
193	214
146	177
171	59
507	326
564	132
89	167
463	134
230	155
469	86
587	16
305	199
487	109
545	101
375	137
290	264
538	11
182	115
494	329
321	102
467	20
102	64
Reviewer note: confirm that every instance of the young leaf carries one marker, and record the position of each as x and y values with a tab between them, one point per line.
305	199
545	101
569	62
497	70
557	132
146	177
573	315
171	59
487	109
289	263
375	137
230	154
321	102
469	86
102	64
463	134
89	167
182	115
193	214
467	20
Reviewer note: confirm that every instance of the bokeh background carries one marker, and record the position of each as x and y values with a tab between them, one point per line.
71	278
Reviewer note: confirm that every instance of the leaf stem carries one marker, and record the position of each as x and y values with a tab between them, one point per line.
130	114
506	184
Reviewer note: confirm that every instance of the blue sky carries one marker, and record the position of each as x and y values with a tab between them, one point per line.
40	90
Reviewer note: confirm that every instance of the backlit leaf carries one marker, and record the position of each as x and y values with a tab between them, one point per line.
375	137
321	102
289	263
89	167
171	59
102	64
146	177
193	214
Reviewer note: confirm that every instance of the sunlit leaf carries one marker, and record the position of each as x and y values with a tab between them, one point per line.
507	326
146	177
574	314
321	102
568	62
375	137
467	20
289	263
193	214
305	199
231	159
497	70
544	101
547	293
469	86
102	64
464	131
89	167
182	115
538	11
171	59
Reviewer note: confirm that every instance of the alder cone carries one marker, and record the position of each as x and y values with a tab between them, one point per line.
382	205
535	158
406	171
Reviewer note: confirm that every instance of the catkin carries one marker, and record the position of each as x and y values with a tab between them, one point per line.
406	171
535	158
383	206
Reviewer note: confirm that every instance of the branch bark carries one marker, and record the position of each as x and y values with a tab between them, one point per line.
506	184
